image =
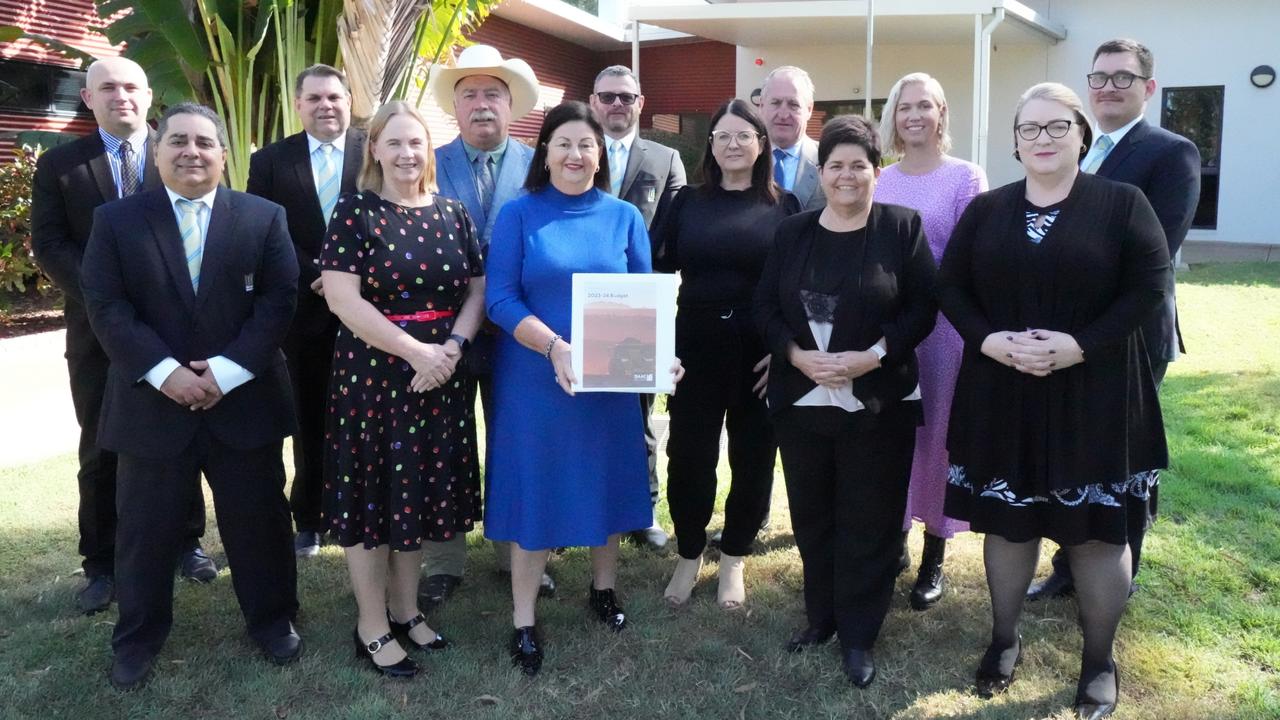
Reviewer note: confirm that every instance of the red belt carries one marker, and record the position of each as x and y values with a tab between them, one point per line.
421	316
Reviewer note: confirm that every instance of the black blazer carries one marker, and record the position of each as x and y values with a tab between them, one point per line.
890	296
654	174
71	181
1166	167
138	293
281	173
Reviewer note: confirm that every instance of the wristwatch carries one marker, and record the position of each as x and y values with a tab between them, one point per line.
879	351
463	343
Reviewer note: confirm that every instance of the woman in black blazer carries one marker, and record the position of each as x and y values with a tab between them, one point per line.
845	297
1055	426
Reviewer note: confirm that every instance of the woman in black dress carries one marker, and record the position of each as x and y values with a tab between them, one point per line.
845	298
401	269
716	236
1055	425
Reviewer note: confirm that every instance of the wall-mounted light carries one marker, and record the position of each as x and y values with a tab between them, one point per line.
1262	76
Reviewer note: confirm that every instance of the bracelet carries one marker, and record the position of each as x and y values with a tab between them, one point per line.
879	352
547	353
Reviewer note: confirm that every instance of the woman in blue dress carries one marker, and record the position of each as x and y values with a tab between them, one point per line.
563	469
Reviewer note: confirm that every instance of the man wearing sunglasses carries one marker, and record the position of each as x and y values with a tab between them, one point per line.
1166	167
645	174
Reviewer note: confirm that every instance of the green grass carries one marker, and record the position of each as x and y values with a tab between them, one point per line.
1201	639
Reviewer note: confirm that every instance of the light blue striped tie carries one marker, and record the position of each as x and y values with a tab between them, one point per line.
616	167
1103	146
192	238
327	181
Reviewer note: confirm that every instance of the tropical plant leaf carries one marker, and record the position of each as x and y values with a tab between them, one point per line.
174	21
11	33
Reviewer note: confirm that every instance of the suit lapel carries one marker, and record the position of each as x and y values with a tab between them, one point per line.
352	159
1123	149
164	228
151	173
100	167
515	165
300	159
461	182
218	241
634	160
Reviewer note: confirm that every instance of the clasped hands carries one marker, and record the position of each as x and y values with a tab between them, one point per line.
433	365
833	370
194	387
562	363
1033	351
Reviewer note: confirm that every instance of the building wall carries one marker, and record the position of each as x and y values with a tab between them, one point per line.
681	78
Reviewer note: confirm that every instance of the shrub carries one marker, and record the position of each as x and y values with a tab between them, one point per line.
17	263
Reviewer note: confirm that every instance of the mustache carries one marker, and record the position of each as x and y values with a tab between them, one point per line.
483	116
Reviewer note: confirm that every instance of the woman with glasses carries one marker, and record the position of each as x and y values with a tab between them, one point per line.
925	178
716	236
1055	426
845	297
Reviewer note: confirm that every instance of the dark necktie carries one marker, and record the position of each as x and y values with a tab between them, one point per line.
779	174
128	170
484	180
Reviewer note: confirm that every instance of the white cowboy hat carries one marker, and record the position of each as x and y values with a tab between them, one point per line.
485	60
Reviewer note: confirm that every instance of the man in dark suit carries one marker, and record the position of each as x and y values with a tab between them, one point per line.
786	104
71	180
645	174
306	173
191	288
1166	167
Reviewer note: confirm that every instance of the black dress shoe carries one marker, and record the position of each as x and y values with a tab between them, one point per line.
97	594
306	544
526	650
435	589
713	540
547	586
995	673
197	566
1054	586
402	629
930	582
403	670
131	672
604	603
283	649
809	637
860	667
653	538
1088	708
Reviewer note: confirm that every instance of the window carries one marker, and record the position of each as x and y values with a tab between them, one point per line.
831	108
34	89
1196	114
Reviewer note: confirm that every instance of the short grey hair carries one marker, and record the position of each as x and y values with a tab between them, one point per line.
804	83
191	108
616	71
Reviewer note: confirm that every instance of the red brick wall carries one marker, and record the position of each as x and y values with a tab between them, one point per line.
74	22
684	78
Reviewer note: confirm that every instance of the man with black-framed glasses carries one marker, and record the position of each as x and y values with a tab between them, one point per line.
1166	167
645	174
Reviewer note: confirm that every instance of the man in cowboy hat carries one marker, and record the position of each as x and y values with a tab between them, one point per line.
484	169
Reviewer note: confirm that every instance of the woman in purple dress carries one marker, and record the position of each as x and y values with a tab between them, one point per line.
939	187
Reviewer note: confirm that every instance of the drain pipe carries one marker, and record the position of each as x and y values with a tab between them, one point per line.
871	34
982	82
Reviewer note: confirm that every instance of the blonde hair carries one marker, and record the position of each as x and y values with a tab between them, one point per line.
371	172
1063	95
890	140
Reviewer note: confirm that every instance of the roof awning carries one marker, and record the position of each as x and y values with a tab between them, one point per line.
831	22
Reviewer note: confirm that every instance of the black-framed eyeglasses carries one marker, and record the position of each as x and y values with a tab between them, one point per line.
1122	80
608	97
744	137
1029	131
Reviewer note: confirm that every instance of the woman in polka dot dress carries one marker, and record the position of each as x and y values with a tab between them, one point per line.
401	269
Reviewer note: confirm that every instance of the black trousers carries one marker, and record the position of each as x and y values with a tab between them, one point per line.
650	446
718	350
253	519
310	362
847	487
1137	526
87	367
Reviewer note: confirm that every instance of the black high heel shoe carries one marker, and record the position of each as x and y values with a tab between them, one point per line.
990	681
604	603
1089	709
526	650
402	629
404	669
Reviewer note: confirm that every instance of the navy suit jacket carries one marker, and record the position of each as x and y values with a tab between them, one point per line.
281	173
138	293
456	180
1166	167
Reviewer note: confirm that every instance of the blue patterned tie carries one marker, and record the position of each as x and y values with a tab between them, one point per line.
1103	146
128	170
192	238
779	173
484	180
327	181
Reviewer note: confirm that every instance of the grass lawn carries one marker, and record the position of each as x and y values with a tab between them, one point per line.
1200	640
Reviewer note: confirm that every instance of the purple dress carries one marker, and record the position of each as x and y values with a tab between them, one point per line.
940	197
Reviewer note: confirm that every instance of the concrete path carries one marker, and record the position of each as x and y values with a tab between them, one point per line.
37	420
